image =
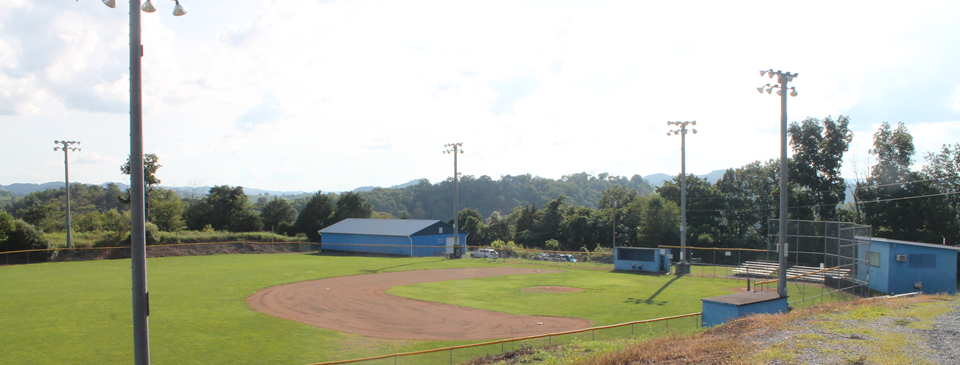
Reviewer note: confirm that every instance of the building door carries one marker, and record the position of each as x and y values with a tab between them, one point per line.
449	245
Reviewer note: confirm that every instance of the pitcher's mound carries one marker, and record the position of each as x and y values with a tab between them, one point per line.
551	289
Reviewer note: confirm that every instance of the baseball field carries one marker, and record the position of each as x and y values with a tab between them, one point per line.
307	308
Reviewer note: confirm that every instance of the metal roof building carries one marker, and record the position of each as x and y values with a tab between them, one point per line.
401	237
897	267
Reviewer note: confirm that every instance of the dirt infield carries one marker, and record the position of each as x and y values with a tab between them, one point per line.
358	304
551	289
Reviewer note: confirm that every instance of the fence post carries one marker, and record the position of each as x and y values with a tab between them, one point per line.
451	356
631	330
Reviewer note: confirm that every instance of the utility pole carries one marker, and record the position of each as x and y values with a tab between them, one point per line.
683	268
65	146
783	78
455	149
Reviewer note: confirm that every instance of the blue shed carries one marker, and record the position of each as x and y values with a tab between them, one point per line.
897	267
720	310
402	237
641	259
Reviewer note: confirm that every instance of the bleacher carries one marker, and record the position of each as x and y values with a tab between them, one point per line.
770	269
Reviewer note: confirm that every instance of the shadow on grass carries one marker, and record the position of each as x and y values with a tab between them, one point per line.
650	300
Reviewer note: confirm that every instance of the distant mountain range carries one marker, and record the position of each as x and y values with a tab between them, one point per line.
22	189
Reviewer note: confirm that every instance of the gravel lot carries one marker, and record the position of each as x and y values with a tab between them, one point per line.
944	338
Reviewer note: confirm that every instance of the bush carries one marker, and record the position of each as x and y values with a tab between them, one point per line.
7	226
26	237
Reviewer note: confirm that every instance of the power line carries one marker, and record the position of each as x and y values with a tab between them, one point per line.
826	205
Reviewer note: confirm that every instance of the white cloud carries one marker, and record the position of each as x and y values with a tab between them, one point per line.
91	157
279	94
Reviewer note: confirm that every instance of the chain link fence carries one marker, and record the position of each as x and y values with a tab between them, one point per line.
501	348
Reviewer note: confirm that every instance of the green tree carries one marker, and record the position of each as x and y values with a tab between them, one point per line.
7	226
225	208
316	215
277	212
471	221
943	171
498	228
704	204
818	148
26	237
351	205
661	222
900	203
751	199
167	210
151	163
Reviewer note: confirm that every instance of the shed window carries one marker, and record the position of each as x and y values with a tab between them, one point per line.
873	258
922	261
441	229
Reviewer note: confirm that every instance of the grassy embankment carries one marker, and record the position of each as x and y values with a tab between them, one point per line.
111	239
79	312
879	331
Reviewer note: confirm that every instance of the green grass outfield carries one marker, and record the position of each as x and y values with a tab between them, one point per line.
80	312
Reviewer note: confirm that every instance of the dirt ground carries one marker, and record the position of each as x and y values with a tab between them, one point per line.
358	304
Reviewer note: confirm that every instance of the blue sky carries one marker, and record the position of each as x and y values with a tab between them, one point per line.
332	95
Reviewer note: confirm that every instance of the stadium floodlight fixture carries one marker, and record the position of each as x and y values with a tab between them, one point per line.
783	80
179	10
148	6
110	3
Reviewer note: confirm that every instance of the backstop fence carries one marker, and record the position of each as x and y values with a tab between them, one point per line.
825	261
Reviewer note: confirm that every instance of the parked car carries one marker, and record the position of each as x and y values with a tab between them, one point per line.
552	256
485	253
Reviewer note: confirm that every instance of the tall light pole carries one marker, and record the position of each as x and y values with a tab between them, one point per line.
783	78
65	146
683	267
455	149
138	244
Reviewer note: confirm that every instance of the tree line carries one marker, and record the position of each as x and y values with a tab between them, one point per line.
579	210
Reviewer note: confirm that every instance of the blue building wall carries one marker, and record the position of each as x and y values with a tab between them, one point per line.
388	245
379	244
935	268
717	313
640	259
438	243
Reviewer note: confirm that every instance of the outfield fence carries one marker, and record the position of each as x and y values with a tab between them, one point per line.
174	249
501	348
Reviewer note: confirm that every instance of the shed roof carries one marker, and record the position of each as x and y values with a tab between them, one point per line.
381	227
899	242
